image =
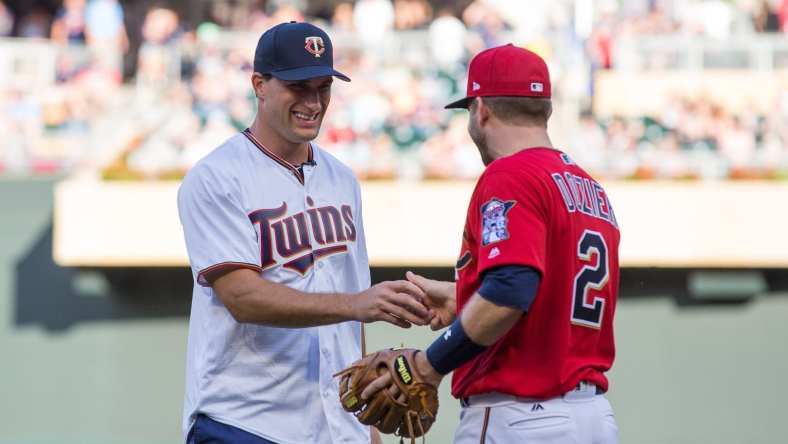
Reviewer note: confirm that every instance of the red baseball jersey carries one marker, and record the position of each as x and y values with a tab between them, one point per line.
538	208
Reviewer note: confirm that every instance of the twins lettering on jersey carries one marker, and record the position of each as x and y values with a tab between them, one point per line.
298	240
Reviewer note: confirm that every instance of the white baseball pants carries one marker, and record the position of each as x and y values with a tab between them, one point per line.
581	416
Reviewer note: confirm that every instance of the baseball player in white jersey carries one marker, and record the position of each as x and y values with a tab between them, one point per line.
276	243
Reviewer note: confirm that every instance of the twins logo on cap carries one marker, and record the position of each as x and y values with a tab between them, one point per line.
315	45
296	51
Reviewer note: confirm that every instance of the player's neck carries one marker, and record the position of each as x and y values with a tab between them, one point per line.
294	153
507	140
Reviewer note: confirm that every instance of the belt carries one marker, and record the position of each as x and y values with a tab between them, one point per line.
582	389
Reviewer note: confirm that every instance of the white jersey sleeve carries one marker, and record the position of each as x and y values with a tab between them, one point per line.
218	232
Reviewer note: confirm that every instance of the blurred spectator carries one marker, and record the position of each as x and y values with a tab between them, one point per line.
411	14
342	19
287	12
21	118
69	24
772	143
782	13
159	63
107	39
373	20
256	19
485	22
104	25
6	20
161	26
765	18
447	36
600	44
716	18
35	24
656	21
736	142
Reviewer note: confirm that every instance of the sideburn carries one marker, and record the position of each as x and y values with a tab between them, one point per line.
480	140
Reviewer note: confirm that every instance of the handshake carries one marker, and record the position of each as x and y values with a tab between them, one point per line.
417	300
396	390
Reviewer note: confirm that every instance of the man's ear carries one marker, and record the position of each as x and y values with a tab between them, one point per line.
482	111
259	84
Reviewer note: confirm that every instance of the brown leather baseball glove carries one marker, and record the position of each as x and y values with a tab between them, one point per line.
410	418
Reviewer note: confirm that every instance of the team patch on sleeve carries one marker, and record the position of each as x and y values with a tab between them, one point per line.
494	220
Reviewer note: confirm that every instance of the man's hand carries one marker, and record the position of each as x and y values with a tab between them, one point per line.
426	369
384	381
440	299
408	407
396	302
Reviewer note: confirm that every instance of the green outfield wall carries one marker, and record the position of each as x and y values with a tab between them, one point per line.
97	356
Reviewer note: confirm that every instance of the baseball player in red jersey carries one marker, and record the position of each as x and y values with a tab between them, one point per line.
537	275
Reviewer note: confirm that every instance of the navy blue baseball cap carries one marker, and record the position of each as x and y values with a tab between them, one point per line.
296	51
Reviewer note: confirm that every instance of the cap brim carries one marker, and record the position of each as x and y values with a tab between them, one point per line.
308	72
462	103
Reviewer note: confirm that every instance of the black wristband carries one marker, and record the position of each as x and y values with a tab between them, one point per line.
452	349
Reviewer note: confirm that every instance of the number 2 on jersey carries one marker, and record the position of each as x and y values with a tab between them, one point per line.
591	276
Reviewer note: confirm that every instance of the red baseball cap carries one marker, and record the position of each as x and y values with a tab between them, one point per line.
505	70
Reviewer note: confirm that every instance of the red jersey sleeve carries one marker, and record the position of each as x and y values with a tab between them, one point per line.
510	222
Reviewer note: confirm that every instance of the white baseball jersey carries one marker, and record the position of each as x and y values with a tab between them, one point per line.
243	206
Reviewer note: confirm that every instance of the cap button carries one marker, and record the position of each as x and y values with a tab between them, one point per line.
292	21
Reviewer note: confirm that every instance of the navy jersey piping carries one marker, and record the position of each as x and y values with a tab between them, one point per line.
298	172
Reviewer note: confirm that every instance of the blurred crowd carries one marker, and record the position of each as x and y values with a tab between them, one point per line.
145	93
691	139
713	19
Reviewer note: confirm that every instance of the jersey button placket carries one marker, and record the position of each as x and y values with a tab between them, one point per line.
309	203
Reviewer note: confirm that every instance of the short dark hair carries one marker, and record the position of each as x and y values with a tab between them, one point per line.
529	111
